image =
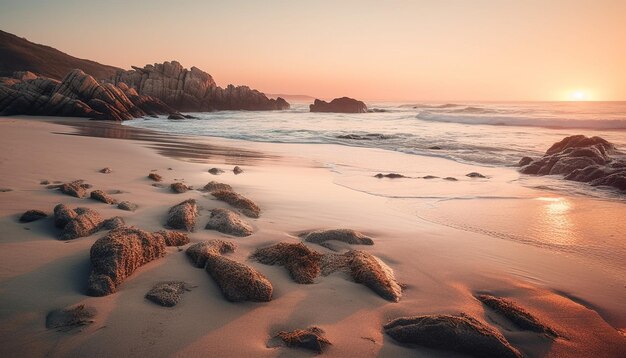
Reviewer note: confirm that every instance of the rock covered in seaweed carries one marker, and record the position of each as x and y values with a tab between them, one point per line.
199	252
76	223
71	317
311	338
462	334
373	273
348	236
228	222
183	215
302	263
168	293
117	255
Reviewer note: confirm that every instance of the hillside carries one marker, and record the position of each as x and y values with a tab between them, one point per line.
19	54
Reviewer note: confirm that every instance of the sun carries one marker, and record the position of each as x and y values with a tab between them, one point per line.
579	96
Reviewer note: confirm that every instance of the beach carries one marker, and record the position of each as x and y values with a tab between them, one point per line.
442	246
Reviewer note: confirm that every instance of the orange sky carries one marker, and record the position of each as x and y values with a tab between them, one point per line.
431	50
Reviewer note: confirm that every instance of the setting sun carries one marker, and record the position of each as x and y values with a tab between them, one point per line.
579	96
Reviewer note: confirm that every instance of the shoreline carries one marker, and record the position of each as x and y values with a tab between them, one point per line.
443	267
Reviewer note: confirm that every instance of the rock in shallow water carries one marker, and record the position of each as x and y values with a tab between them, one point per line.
462	334
339	105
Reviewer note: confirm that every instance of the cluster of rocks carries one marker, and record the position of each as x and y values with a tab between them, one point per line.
193	90
339	105
579	158
76	95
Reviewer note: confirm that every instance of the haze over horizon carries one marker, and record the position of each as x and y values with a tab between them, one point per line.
428	50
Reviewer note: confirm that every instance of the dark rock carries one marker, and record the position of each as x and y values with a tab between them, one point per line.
77	188
462	334
216	171
183	215
450	179
5	190
175	116
435	147
370	136
245	205
524	161
32	215
105	170
179	188
127	205
344	235
63	215
117	255
45	182
302	263
339	105
69	318
373	273
237	170
390	176
155	177
112	223
102	196
519	316
192	90
475	175
237	281
189	116
228	222
167	293
76	223
311	339
430	177
214	186
579	158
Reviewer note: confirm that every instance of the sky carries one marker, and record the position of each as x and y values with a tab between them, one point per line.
426	50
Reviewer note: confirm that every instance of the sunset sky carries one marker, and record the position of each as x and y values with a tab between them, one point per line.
431	50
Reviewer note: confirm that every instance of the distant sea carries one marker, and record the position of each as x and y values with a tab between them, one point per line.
488	134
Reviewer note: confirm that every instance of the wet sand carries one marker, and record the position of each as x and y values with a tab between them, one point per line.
419	226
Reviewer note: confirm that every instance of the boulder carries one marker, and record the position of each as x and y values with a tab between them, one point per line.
168	293
192	90
102	196
240	202
76	223
182	216
462	334
302	263
237	281
516	314
228	222
348	236
117	255
339	105
32	215
237	170
591	160
311	338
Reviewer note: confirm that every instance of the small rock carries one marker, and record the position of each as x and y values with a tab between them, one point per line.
32	215
155	177
176	116
430	177
77	188
216	171
5	190
475	175
311	338
344	235
179	188
228	222
213	186
106	170
167	294
102	196
237	170
183	215
85	223
524	161
245	205
127	205
435	147
69	318
450	179
390	176
44	182
112	223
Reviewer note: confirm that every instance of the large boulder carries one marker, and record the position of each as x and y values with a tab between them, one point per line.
591	160
118	254
339	105
76	95
193	90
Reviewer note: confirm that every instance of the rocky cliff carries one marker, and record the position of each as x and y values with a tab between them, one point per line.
76	95
339	105
193	90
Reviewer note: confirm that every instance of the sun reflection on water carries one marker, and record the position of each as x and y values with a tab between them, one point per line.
555	221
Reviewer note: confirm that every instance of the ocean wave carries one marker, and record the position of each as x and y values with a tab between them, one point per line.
503	120
432	106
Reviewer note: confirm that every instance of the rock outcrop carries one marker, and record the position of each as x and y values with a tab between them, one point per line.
76	95
591	160
339	105
237	281
193	90
228	222
462	334
118	254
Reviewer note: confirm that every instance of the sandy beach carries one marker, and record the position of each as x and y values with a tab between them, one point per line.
442	254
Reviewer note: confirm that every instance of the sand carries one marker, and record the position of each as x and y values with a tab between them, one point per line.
441	262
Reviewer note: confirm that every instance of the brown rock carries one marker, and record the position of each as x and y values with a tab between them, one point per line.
237	170
127	205
228	222
32	215
216	171
102	196
373	273
245	205
311	338
302	263
179	188
69	318
106	170
519	316
344	235
167	294
155	177
183	215
213	186
198	253
77	188
339	105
